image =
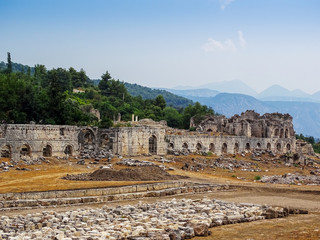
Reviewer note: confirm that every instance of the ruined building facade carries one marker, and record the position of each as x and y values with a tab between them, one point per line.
216	134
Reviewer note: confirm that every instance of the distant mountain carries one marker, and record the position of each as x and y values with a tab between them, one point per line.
149	93
279	93
203	92
306	115
234	86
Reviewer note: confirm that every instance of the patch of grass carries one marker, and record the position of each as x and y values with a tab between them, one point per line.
257	177
233	176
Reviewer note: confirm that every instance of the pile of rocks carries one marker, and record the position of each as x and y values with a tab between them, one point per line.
224	163
5	166
292	178
174	219
89	152
134	163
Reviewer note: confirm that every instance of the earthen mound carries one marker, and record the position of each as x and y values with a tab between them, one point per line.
144	173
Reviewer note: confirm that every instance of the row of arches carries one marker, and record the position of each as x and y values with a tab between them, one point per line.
236	148
282	133
25	150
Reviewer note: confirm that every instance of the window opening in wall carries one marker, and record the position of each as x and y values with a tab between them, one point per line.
68	150
259	145
288	147
6	151
278	146
62	131
224	148
198	146
25	150
236	148
247	146
268	146
212	147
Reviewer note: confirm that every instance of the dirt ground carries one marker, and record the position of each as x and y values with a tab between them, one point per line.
49	177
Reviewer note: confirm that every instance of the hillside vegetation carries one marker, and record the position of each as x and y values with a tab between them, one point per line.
47	97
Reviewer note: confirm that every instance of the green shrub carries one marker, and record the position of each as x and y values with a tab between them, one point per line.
257	177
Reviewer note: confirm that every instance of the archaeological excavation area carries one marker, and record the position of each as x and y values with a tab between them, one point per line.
245	177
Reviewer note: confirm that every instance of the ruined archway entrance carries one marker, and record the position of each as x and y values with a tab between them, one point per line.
278	147
25	150
6	151
248	146
153	145
236	148
68	150
286	133
199	147
170	146
258	145
86	137
47	151
212	148
288	147
269	146
224	148
281	133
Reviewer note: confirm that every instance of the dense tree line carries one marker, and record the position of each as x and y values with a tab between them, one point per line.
47	97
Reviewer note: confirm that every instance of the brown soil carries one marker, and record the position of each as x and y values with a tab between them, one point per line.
143	173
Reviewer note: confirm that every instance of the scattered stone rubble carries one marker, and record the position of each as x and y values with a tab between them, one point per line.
221	162
292	178
89	152
168	220
134	163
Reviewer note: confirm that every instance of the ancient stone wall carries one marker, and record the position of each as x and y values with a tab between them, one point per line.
228	144
249	124
139	140
32	141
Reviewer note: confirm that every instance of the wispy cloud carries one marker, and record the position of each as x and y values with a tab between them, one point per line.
225	3
242	41
213	45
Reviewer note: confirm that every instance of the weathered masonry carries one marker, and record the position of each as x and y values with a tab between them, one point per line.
215	134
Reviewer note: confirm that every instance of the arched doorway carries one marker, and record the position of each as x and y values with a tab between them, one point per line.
25	150
6	151
86	137
209	130
185	146
269	146
47	151
68	150
224	148
153	145
171	146
248	146
288	147
278	146
212	148
258	145
286	134
199	147
276	132
236	148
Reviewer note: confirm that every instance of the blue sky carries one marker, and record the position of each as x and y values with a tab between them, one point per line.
165	43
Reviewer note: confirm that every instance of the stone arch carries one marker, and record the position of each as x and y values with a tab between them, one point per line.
269	146
276	132
236	148
209	130
281	133
224	148
47	151
6	151
286	133
199	146
86	136
153	144
248	146
185	145
258	145
25	150
212	147
278	146
68	150
288	147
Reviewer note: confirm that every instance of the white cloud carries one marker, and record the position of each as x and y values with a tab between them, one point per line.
213	45
225	3
242	41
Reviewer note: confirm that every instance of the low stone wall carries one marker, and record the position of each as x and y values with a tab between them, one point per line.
100	195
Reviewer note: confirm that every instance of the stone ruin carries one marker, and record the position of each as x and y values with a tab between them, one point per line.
217	134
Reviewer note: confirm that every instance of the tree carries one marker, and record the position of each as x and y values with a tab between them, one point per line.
160	102
9	66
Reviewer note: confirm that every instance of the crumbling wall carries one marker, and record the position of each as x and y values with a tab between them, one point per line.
227	144
249	124
32	141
